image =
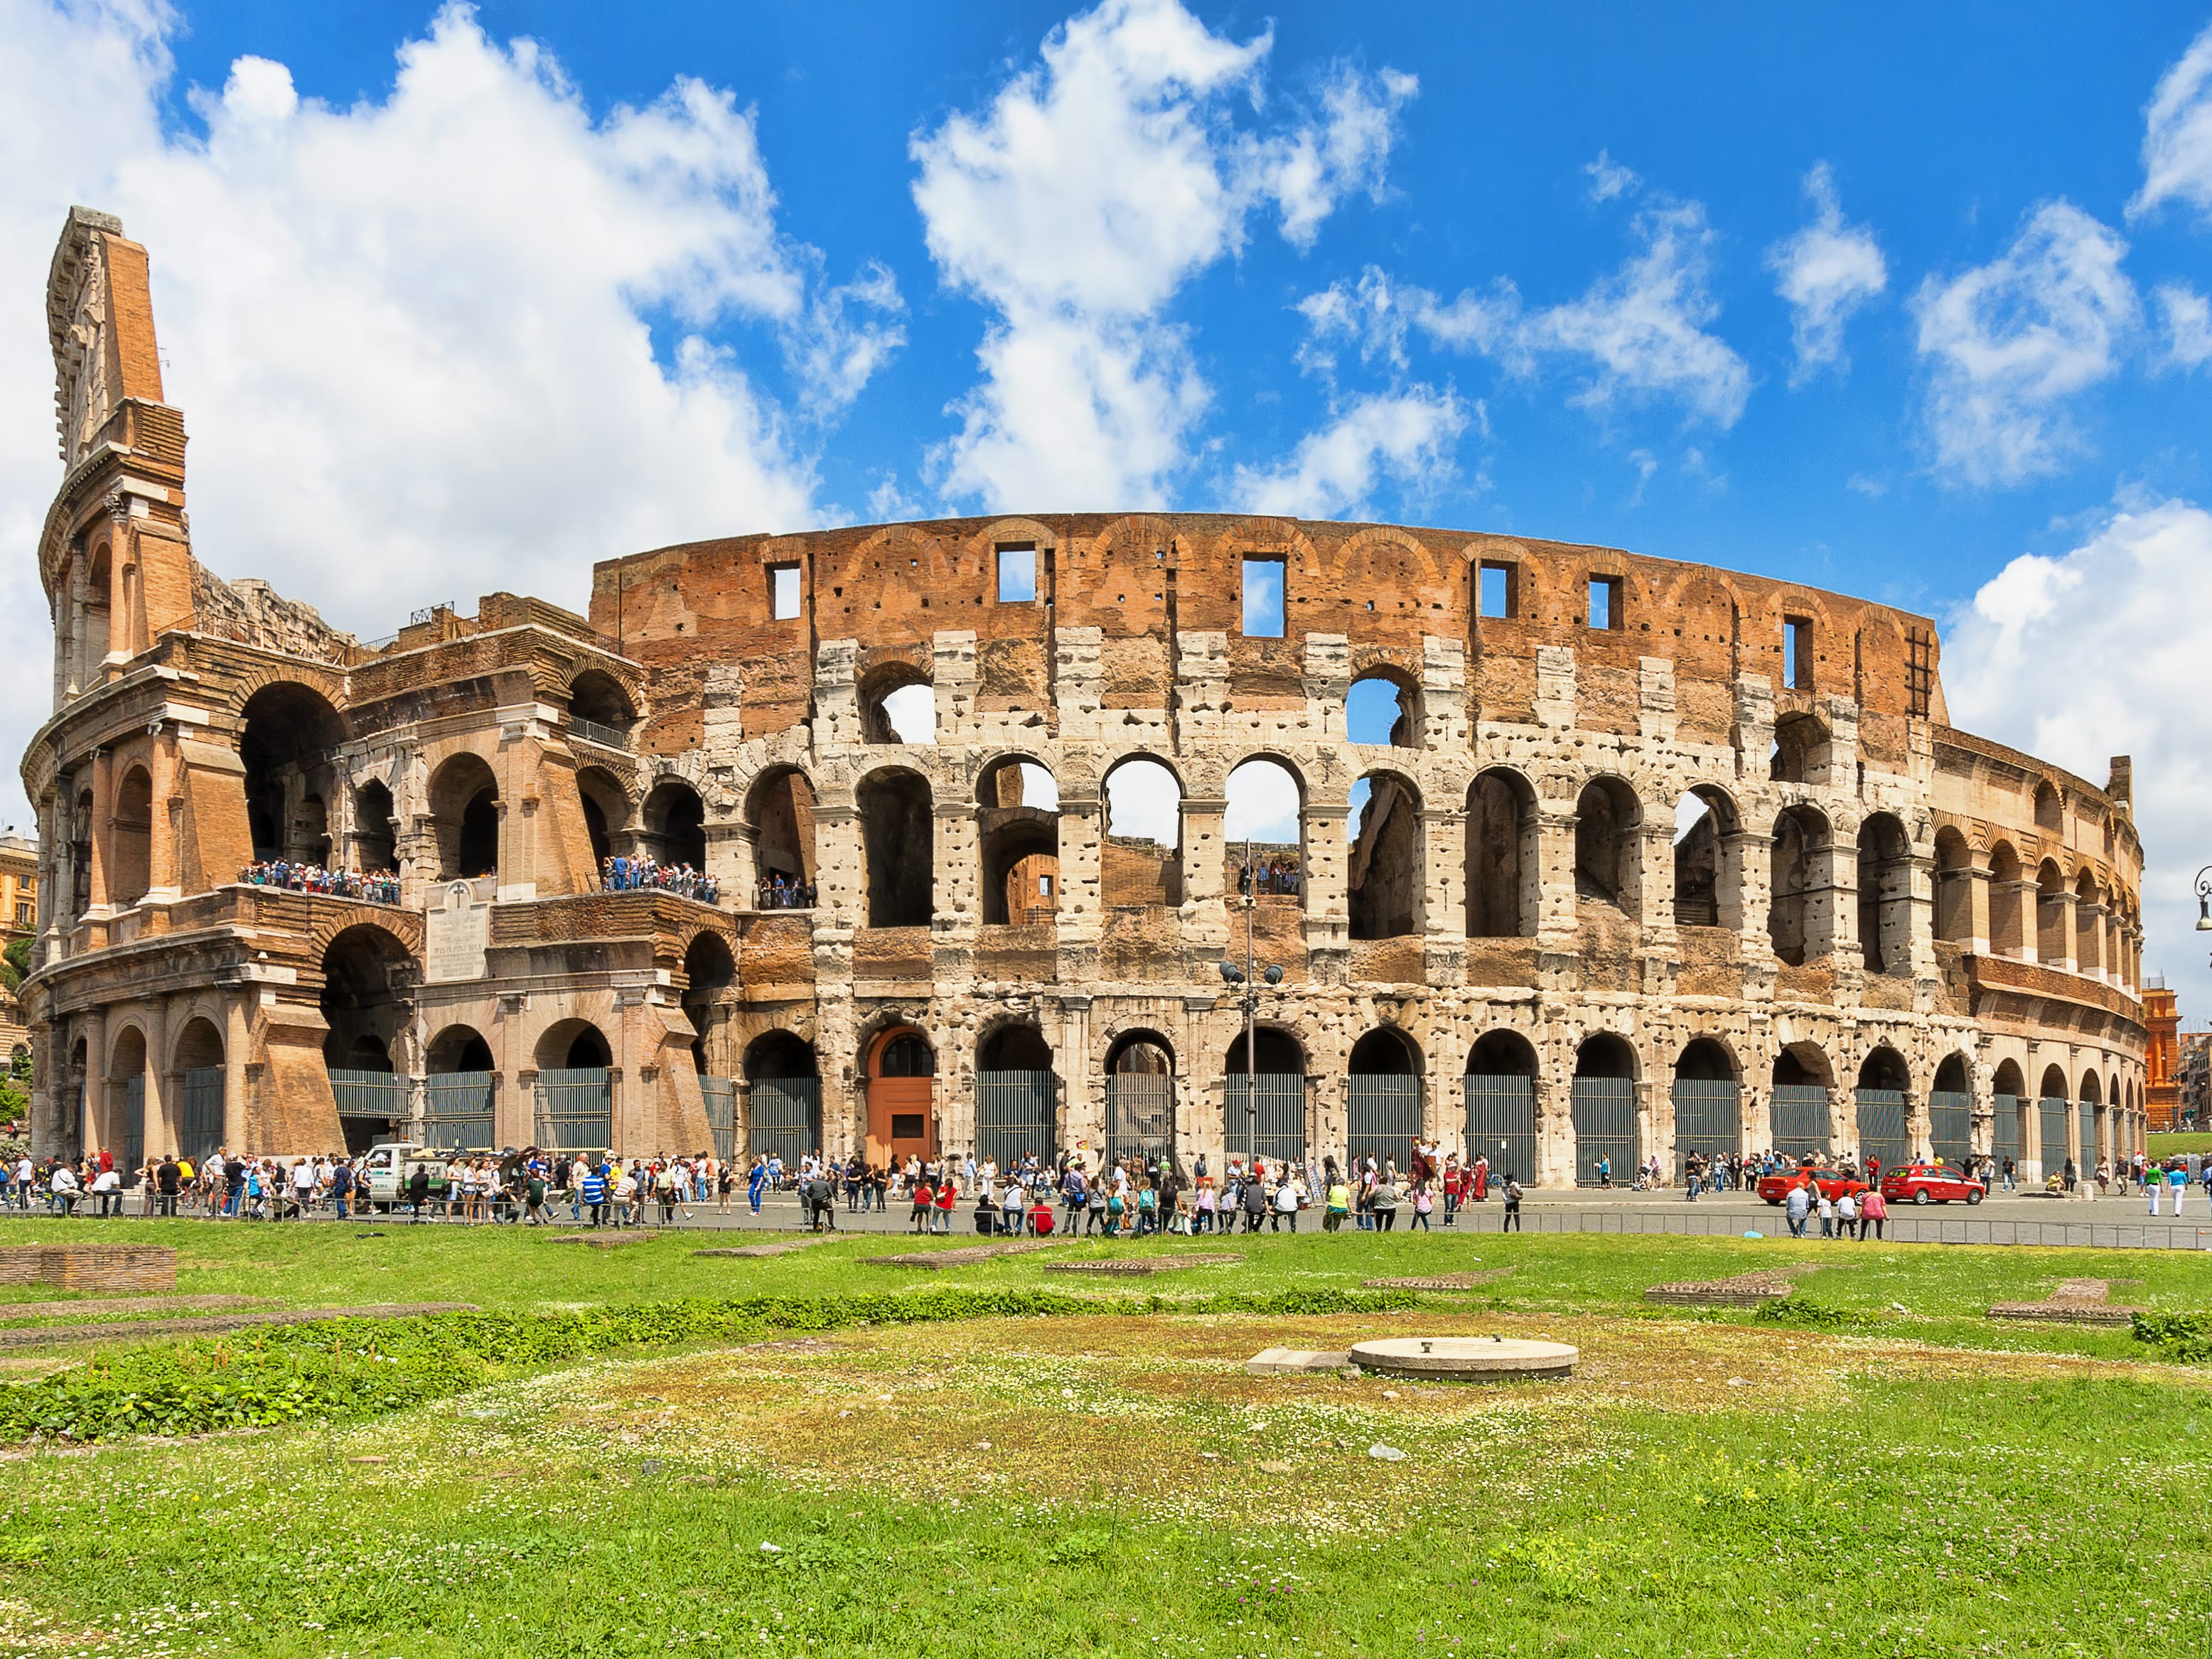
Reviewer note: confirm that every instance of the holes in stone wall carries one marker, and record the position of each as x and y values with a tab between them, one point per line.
1799	918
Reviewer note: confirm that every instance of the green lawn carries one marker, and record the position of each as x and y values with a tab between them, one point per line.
1892	1482
2173	1143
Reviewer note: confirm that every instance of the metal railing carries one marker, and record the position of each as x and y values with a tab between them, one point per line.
373	1094
721	1097
457	1110
1603	1111
1501	1124
1382	1118
607	736
575	1109
1276	1133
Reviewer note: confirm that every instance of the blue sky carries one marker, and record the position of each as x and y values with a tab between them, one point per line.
1905	302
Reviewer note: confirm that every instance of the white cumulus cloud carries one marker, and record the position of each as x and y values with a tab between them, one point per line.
1077	203
2186	317
1608	179
2093	653
2009	342
1825	272
2177	147
1406	434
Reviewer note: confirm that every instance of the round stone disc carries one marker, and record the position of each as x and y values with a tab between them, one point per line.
1466	1358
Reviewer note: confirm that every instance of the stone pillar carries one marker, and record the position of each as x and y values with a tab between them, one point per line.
1832	902
1326	893
1752	856
1204	921
1555	861
1082	1115
2089	921
1918	1129
956	879
157	1132
1920	915
2025	895
1444	835
93	1126
236	1043
1975	903
165	824
1756	1104
1843	1120
103	828
842	861
1555	1130
731	849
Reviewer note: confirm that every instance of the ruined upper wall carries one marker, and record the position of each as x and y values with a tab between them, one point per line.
1142	579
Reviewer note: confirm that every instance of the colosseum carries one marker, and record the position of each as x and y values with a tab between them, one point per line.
1019	824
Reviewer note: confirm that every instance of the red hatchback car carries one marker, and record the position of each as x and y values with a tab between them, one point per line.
1832	1184
1931	1183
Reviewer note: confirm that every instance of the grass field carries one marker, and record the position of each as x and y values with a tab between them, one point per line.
1884	1471
2173	1144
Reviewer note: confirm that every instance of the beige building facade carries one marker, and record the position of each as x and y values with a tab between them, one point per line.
1650	858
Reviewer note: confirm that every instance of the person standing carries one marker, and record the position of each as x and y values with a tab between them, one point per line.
1512	1221
2176	1184
1796	1207
1847	1216
1874	1210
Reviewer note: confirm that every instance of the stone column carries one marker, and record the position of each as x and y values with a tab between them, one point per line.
157	1132
1205	922
1920	915
1843	1118
1756	1103
1555	861
2025	894
236	1043
165	822
842	862
1555	1131
92	1126
1444	835
1325	893
1752	856
2089	920
955	880
731	847
1975	903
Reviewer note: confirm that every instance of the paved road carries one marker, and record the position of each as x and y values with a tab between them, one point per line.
2019	1218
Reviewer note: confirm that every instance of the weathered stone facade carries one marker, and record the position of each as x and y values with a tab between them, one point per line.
1860	907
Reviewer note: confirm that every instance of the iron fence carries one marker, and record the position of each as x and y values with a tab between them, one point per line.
1382	1118
1708	1118
1139	1114
2007	1137
1800	1121
1501	1124
608	737
457	1113
1604	1113
783	1118
201	1113
379	1095
1017	1114
576	1108
1882	1131
134	1127
1951	1127
1275	1131
721	1094
2051	1126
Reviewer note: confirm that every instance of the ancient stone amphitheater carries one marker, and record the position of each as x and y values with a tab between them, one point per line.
1563	854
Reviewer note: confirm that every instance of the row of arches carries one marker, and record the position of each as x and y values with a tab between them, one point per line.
2000	904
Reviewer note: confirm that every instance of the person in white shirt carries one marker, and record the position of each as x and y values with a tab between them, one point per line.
62	1193
108	1187
26	1174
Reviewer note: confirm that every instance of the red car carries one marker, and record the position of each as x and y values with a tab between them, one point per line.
1929	1184
1832	1184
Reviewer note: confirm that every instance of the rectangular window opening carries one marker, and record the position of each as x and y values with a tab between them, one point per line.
783	592
1797	654
1605	602
1495	595
1263	599
1017	574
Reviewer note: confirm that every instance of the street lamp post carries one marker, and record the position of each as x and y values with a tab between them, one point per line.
1249	1000
2205	900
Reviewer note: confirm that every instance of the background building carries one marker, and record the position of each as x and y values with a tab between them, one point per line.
1647	857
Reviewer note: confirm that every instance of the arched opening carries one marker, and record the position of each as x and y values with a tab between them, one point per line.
2089	1136
1885	877
368	978
710	977
574	1088
1800	751
457	1049
1706	874
780	810
289	735
1799	1125
1018	838
1954	886
2007	931
902	1069
81	826
123	1132
1264	1104
1799	917
375	829
1383	707
606	815
99	594
783	1099
1141	863
1382	1098
1140	1097
2054	947
2050	812
1607	869
199	1068
573	1044
133	839
2009	1131
464	800
1502	859
1951	1112
1708	1104
899	831
1883	1136
898	704
1386	870
600	710
2088	926
1264	830
676	825
1607	1147
1501	1106
458	1092
1016	1097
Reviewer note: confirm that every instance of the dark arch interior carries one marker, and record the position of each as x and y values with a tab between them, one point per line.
1279	1054
2009	1081
1605	1055
599	696
1502	1053
897	829
1790	1069
1384	1053
375	828
781	812
366	997
780	1055
711	972
1501	843
1140	1053
1014	1048
676	825
1951	1076
1705	1061
1884	1069
464	805
458	1048
285	746
1384	873
1605	816
588	1048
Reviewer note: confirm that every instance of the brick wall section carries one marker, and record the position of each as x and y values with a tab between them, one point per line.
104	1267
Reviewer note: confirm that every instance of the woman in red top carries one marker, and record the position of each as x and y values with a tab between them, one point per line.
922	1199
945	1196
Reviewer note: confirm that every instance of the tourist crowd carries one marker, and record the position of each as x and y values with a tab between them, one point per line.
629	875
1278	876
379	887
781	892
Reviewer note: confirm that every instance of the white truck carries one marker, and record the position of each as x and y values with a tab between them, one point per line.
385	1168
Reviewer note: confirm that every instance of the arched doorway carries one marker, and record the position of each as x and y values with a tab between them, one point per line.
606	818
1141	863
1386	874
1501	1105
1883	1135
1801	903
124	1133
1708	1103
133	839
2088	1141
1016	1097
1799	1126
1264	1107
375	829
1018	840
1382	1099
575	1105
675	824
463	800
1885	866
457	1098
2052	1109
902	1096
779	807
710	975
898	837
199	1068
1607	1147
1140	1097
290	732
366	1003
1608	870
1708	864
783	1099
2008	1118
1951	1112
1502	858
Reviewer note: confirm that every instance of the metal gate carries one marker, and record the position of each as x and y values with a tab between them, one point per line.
201	1110
2006	1139
1016	1116
783	1118
721	1094
1801	1121
1604	1110
1382	1118
2086	1130
457	1110
134	1128
576	1108
1276	1131
1708	1118
1881	1129
379	1095
1139	1114
1951	1128
1501	1125
2051	1114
